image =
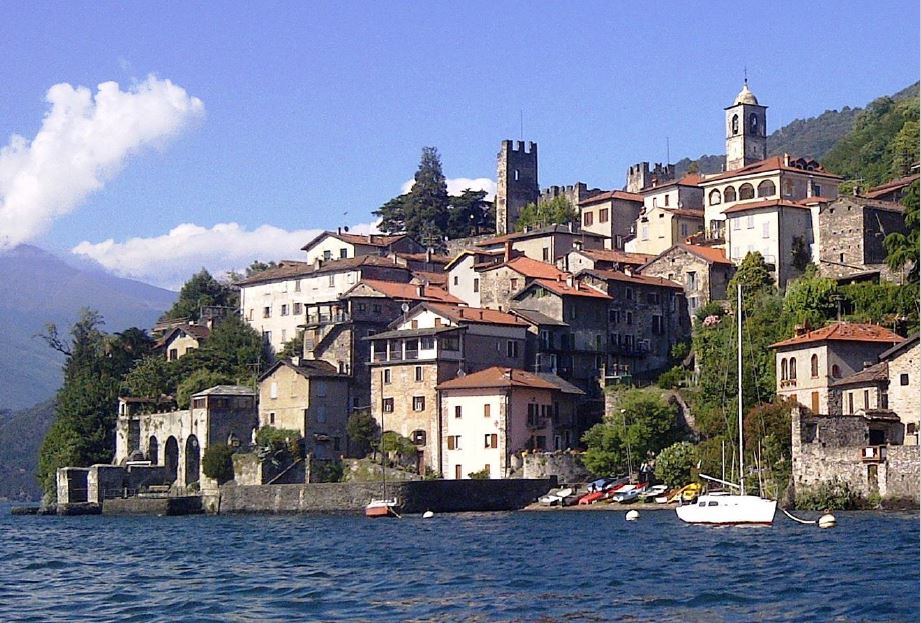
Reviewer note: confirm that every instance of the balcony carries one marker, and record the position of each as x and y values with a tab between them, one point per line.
318	320
787	383
537	423
873	454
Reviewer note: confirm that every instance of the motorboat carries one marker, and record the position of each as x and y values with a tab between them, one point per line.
652	493
555	497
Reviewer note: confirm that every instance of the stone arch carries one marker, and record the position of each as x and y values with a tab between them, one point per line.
192	460
792	368
753	123
153	450
735	124
767	189
814	366
171	457
729	194
715	197
746	191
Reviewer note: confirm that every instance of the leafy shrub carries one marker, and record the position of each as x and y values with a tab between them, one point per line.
483	474
672	378
674	464
327	471
276	439
834	495
217	462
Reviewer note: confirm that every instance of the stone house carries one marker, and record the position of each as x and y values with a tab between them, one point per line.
178	439
810	361
646	316
602	259
489	415
179	340
339	245
864	450
904	391
660	228
432	343
310	397
683	194
273	301
426	262
499	282
463	278
703	271
545	244
580	354
776	228
612	215
851	231
894	190
861	392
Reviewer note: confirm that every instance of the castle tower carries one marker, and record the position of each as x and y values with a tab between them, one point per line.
516	183
746	130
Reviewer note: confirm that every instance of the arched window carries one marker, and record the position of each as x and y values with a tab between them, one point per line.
766	189
735	124
418	437
792	368
715	197
783	369
746	191
814	366
753	123
153	451
836	371
729	194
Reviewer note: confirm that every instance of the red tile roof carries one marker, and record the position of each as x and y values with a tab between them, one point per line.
611	195
475	315
527	267
290	269
433	279
498	377
423	257
616	275
766	203
410	291
536	233
711	254
577	289
808	201
373	240
844	332
774	163
888	187
619	257
686	212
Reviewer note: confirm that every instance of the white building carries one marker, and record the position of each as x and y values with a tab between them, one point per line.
338	245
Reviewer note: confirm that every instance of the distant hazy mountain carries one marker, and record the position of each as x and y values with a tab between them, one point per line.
813	137
21	434
37	287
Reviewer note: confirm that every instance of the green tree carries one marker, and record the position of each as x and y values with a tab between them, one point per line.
393	215
217	462
199	291
362	430
394	443
753	275
470	215
199	380
675	463
811	300
83	432
605	454
150	377
423	212
293	347
233	350
557	211
903	249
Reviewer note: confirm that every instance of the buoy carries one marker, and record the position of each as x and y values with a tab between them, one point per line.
827	521
632	515
428	515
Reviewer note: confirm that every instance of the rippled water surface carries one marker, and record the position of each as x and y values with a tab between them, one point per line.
555	566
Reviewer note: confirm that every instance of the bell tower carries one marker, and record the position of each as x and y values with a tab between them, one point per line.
746	130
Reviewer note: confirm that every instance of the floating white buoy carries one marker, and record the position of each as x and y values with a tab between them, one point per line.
428	515
632	515
827	521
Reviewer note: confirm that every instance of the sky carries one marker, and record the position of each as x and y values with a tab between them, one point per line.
157	138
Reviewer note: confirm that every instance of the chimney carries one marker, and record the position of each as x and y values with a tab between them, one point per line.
481	314
508	250
339	230
571	227
786	160
507	373
856	190
628	270
569	281
295	361
867	364
800	330
420	290
428	255
317	263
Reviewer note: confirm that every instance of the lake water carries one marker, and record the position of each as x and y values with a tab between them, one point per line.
525	566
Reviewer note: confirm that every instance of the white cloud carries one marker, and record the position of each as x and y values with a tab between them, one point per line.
84	141
169	260
457	185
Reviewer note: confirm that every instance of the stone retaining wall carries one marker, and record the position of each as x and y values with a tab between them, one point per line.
440	496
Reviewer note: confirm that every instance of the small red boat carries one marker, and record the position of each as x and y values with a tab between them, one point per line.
591	498
381	508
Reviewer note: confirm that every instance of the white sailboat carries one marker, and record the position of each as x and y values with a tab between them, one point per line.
723	509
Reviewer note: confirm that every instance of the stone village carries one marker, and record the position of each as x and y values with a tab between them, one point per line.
499	351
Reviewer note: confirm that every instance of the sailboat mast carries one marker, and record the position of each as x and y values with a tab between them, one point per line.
739	374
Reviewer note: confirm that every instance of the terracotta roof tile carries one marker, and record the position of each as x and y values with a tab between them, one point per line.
844	332
766	203
289	269
774	163
475	315
872	374
616	275
433	279
711	254
373	240
527	267
410	291
536	233
610	195
498	377
619	257
888	187
577	289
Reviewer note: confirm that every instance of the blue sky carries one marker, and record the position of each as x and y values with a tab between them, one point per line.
312	110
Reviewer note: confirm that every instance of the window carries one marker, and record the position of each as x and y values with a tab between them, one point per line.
816	190
652	298
476	285
267	337
715	197
375	308
850	403
284	309
297	285
418	403
332	281
514	283
658	327
587	219
419	374
746	191
266	312
644	232
454	442
298	309
545	254
511	348
490	440
486	410
362	307
814	366
691	278
684	230
629	317
614	316
765	230
336	443
343	253
666	201
903	378
284	335
866	399
321	414
173	354
327	255
273	390
249	314
736	224
414	324
385	374
753	123
628	294
455	279
815	402
418	437
750	221
428	343
766	189
603	214
792	368
458	412
836	371
735	124
388	405
271	418
655	203
729	194
783	369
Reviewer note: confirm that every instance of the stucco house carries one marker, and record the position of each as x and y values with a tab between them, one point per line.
179	340
612	215
340	245
602	259
546	244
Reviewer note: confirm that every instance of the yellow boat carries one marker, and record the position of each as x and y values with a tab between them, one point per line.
686	493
